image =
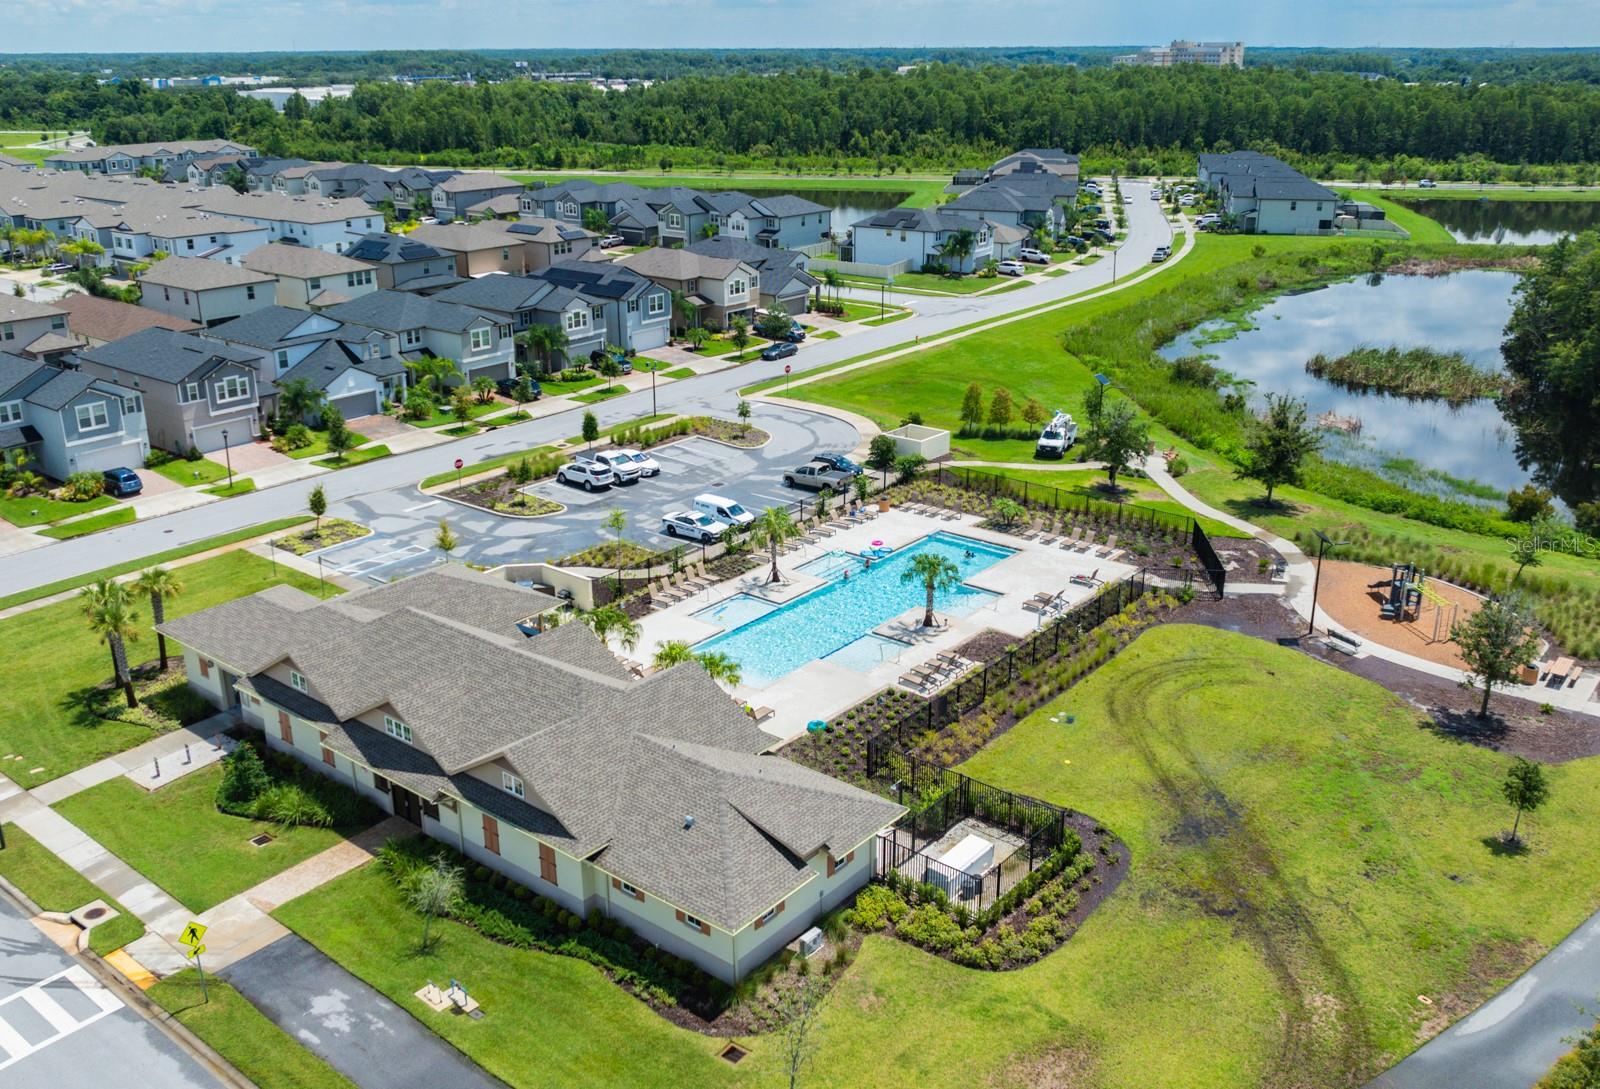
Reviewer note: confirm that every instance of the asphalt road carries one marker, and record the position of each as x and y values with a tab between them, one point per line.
1511	1041
358	1031
60	1028
1148	228
405	521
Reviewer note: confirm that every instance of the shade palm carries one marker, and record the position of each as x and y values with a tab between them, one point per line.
670	653
608	621
936	573
720	667
771	531
160	584
545	342
109	609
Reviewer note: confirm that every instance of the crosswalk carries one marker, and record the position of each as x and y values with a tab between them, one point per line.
49	1011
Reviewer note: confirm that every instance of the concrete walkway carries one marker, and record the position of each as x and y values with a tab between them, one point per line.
152	765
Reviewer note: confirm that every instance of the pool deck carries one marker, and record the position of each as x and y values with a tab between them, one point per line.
823	689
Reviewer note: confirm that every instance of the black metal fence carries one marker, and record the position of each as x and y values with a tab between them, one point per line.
1033	494
1209	559
938	799
971	691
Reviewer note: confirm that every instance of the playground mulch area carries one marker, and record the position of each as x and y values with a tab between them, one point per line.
1349	596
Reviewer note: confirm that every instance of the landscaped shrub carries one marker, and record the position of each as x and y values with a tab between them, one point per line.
297	436
290	804
81	487
876	907
244	779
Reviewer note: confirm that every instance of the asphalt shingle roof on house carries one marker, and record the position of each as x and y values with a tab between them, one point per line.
600	279
478	182
15	370
165	356
201	274
498	292
108	319
678	264
392	311
15	309
783	272
392	249
59	385
58	391
660	781
916	219
269	327
299	262
465	237
331	358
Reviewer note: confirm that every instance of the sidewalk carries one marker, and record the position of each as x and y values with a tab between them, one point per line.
157	761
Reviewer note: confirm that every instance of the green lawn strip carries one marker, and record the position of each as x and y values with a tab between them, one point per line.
355	457
243	1035
178	838
646	364
553	387
827	334
485	466
238	487
444	416
1511	193
54	886
856	311
602	394
894	317
42	717
923	192
719	346
319	439
556	1021
38	510
1084	484
191	473
685	372
1015	285
1419	226
121	516
1054	272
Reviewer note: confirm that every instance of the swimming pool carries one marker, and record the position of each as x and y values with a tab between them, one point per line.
835	615
730	612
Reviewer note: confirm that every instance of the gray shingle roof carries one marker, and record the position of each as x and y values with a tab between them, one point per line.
268	327
396	310
617	764
109	319
391	249
300	262
502	293
917	219
60	388
783	272
200	274
166	356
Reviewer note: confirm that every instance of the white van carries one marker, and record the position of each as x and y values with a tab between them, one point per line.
723	510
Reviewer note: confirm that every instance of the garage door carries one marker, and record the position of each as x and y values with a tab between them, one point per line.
357	404
645	339
209	438
128	455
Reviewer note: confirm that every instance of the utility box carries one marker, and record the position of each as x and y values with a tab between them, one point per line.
811	943
970	859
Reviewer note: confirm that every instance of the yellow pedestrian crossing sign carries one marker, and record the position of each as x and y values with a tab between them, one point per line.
195	951
192	936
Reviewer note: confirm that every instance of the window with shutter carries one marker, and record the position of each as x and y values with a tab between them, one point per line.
491	834
285	731
327	756
205	668
547	864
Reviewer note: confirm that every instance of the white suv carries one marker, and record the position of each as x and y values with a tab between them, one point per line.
1010	268
1037	257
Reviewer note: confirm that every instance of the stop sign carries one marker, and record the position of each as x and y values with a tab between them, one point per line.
459	463
786	368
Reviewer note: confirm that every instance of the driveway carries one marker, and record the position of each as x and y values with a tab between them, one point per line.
250	457
405	521
358	1031
60	1028
1511	1041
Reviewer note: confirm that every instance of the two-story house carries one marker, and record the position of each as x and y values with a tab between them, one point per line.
356	369
921	237
426	327
1267	196
310	278
131	158
454	195
321	223
405	264
68	420
785	283
479	248
652	801
624	308
718	288
550	241
1017	200
776	222
93	321
204	292
31	328
198	393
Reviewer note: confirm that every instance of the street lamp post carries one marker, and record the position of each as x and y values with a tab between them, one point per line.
653	390
227	454
1316	584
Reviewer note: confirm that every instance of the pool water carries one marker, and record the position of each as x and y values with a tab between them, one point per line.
733	611
844	610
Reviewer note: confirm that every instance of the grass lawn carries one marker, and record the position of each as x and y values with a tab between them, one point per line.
319	439
856	311
190	473
238	487
1421	228
555	388
39	510
84	526
41	717
827	334
1083	482
1057	272
354	457
259	1049
501	461
602	394
1307	861
720	346
685	372
178	838
925	283
442	416
55	886
646	364
1015	285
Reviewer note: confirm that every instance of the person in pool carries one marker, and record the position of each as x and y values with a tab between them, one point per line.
967	555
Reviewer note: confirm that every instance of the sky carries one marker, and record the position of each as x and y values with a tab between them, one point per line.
242	25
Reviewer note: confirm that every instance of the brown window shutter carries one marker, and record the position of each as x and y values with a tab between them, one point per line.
616	883
205	667
849	858
285	731
327	756
832	865
705	927
491	834
547	863
680	916
780	907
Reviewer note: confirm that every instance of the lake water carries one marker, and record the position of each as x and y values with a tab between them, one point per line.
1465	312
1512	222
849	205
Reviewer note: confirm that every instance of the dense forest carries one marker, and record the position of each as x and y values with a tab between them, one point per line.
934	117
1419	64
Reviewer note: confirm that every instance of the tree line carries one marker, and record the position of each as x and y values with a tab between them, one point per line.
940	115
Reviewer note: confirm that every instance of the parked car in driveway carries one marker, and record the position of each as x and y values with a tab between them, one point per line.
816	476
621	466
122	483
611	240
782	350
507	387
647	465
692	526
590	475
1011	268
839	462
1033	256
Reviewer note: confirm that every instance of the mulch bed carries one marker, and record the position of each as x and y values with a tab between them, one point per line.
987	646
333	531
500	494
1245	558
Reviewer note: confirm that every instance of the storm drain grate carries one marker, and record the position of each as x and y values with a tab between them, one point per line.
261	841
732	1053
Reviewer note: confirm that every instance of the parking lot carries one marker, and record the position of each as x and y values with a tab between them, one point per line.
404	521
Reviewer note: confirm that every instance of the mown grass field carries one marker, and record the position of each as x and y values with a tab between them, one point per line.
922	191
55	658
1307	860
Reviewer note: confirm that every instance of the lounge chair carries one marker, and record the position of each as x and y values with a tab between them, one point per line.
1108	548
1070	541
836	524
1085	542
761	714
1040	603
953	661
919	678
1091	579
823	531
1046	537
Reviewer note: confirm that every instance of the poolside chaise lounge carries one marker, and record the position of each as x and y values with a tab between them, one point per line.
1070	541
1108	549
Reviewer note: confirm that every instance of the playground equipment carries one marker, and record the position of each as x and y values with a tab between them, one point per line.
1408	590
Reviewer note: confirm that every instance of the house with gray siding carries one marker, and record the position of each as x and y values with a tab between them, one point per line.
204	292
653	801
68	420
405	264
785	283
454	195
624	308
198	393
25	323
1265	195
1016	200
309	278
356	369
719	288
776	222
480	345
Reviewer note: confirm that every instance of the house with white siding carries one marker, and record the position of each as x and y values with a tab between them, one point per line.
538	754
204	292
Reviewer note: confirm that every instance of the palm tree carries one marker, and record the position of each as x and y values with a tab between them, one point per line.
697	337
719	667
109	610
770	531
670	653
297	399
545	342
80	248
685	310
434	372
609	620
936	573
831	277
958	247
160	584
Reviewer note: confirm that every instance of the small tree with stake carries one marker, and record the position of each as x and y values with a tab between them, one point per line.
616	523
1279	443
317	504
1525	788
591	429
881	454
744	416
434	893
1495	642
445	540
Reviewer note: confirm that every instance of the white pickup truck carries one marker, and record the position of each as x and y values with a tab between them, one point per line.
620	464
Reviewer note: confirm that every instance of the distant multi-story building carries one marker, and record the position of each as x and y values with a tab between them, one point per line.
1216	54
